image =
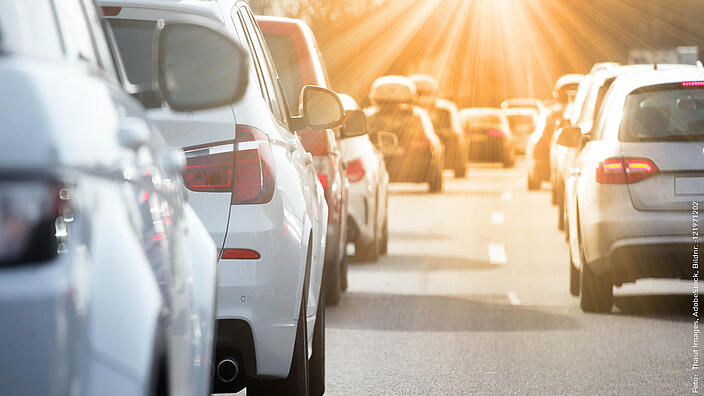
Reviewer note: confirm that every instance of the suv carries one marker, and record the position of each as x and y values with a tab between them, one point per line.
420	154
257	191
298	62
101	259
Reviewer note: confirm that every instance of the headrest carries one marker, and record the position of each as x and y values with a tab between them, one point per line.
426	85
393	90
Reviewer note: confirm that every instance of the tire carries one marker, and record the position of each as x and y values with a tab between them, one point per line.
384	244
333	290
596	291
553	191
435	183
509	160
317	359
344	265
533	182
561	212
460	167
369	252
574	277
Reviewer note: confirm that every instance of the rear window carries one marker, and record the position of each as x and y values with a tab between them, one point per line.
442	119
134	41
663	113
494	119
283	50
29	27
521	122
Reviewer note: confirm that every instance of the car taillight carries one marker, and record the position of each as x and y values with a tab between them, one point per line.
691	84
110	10
495	133
34	218
323	180
248	175
624	170
355	170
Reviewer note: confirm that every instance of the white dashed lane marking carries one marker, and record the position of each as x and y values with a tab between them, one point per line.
513	298
506	196
497	218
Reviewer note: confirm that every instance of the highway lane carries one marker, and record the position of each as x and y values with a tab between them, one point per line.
473	299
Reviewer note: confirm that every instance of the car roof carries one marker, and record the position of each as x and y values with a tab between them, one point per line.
445	104
204	8
627	83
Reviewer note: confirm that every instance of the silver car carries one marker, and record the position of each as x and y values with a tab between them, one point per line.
637	177
107	277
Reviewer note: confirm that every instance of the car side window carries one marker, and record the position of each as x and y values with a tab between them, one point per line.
267	73
78	37
104	53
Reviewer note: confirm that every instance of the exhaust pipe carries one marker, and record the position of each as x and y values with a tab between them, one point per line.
227	370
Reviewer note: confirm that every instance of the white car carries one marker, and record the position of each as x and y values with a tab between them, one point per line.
107	277
257	191
368	209
636	180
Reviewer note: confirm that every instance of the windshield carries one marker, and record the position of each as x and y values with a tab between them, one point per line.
29	27
664	114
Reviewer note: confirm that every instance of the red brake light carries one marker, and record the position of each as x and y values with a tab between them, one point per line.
624	171
111	11
323	180
355	170
254	169
690	84
252	181
495	133
240	254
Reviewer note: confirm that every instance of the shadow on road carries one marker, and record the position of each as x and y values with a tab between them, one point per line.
394	312
656	306
424	263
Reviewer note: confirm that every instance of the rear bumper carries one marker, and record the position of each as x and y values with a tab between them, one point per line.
263	293
636	258
490	150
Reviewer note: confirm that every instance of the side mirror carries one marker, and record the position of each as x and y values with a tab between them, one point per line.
174	161
355	124
570	136
320	109
199	67
387	143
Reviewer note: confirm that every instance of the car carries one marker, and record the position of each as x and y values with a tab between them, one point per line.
257	191
369	183
298	62
637	177
524	121
490	136
446	122
420	155
535	104
102	258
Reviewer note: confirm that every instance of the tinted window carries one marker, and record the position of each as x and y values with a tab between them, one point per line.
134	41
29	27
442	119
283	50
666	113
493	119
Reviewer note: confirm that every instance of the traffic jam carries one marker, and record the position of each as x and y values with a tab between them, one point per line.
307	197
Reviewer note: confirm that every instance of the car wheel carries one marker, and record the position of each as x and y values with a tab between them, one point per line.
435	184
509	161
561	213
332	283
574	277
460	168
343	272
553	191
297	381
596	291
384	245
317	359
533	182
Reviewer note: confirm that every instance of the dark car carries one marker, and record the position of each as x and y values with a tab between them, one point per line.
490	136
419	158
298	61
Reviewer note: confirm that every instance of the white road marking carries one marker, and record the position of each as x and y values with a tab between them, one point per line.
497	218
497	254
513	298
506	196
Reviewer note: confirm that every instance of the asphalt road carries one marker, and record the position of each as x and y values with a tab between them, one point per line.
473	299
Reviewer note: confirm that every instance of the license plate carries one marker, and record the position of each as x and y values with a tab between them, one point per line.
689	185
